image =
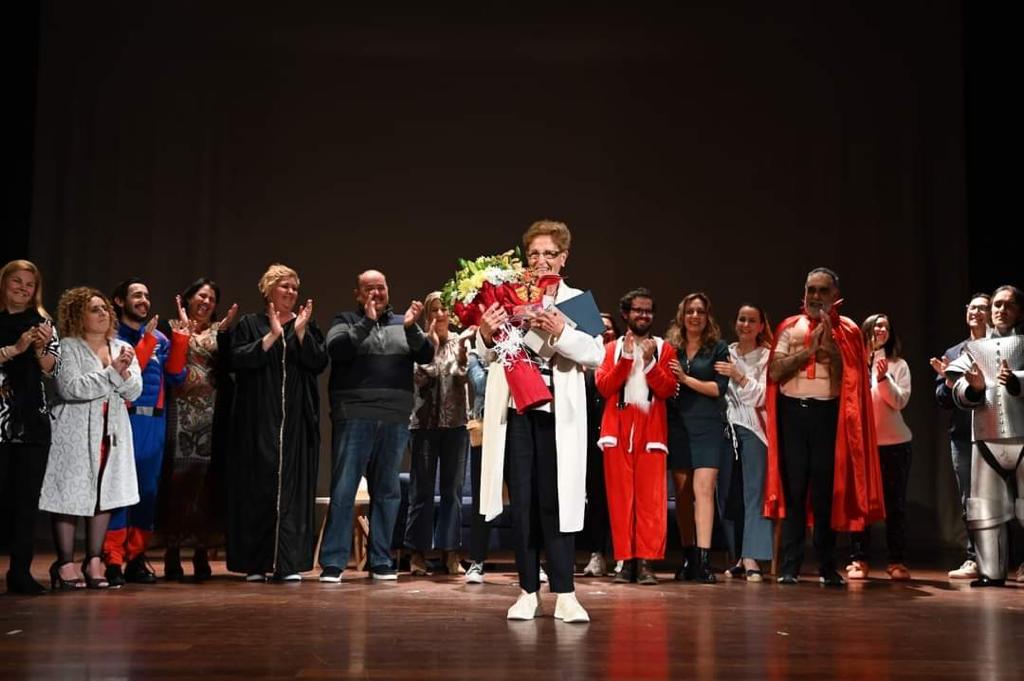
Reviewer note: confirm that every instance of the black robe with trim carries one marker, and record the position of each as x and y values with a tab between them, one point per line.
270	526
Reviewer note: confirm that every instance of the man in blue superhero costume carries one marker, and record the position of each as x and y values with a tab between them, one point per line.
163	365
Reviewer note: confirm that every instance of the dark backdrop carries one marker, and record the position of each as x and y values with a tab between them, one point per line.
727	148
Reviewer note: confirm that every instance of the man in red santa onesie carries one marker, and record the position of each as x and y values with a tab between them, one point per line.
635	381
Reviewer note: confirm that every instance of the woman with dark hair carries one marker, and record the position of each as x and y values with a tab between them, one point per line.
272	464
890	393
747	372
697	426
91	469
439	440
191	494
29	354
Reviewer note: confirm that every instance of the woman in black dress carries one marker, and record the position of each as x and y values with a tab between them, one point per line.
272	463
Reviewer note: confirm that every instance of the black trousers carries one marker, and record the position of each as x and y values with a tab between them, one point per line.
895	464
479	529
533	495
22	467
807	443
596	525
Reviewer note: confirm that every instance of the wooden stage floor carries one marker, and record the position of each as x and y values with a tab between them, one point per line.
440	628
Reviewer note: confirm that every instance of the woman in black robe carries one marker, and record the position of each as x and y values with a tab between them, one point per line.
275	445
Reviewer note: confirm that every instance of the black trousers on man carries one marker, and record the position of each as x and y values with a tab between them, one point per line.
807	448
532	475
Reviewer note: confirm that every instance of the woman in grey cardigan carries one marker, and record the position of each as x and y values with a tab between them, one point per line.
91	469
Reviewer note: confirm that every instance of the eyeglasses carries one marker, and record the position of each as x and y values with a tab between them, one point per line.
547	255
978	308
645	311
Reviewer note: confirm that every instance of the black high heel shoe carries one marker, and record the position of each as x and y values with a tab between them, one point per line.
58	583
93	582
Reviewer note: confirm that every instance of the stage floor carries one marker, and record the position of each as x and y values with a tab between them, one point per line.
439	627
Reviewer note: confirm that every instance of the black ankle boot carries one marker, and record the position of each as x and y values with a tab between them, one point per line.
688	572
628	572
705	573
172	564
201	565
22	582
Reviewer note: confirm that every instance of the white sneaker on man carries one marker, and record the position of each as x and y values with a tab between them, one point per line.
597	567
543	576
969	570
526	607
475	573
1020	573
568	609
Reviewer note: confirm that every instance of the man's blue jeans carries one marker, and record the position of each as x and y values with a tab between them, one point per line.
374	449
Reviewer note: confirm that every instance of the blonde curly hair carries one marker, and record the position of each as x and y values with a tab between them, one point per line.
274	275
72	308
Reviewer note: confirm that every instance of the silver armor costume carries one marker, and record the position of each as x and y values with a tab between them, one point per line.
998	433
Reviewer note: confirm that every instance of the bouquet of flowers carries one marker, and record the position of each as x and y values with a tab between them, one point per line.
502	279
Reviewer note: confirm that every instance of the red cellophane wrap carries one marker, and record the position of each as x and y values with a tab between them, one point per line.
524	380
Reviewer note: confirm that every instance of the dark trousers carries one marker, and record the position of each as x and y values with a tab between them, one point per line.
430	447
479	529
533	495
895	463
596	524
22	467
807	443
961	455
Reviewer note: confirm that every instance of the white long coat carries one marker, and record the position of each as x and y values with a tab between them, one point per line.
575	351
73	469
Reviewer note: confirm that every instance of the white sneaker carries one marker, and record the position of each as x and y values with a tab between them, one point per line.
526	607
969	570
475	573
568	609
1020	572
255	577
618	566
543	576
597	566
293	577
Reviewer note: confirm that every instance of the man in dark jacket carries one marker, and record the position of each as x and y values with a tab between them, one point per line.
372	351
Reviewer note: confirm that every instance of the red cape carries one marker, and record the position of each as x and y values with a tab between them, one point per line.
857	492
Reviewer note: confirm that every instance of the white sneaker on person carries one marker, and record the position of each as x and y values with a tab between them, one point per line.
597	567
475	573
543	576
256	577
290	577
1020	572
568	609
526	607
969	570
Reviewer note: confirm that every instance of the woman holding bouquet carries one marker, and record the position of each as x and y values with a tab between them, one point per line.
544	447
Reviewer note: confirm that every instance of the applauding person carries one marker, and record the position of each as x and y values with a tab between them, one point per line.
275	447
747	372
91	469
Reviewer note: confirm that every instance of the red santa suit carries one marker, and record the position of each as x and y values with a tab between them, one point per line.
634	439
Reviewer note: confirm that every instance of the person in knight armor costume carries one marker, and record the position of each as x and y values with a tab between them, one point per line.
988	379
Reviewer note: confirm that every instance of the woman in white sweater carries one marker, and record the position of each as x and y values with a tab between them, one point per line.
890	393
91	469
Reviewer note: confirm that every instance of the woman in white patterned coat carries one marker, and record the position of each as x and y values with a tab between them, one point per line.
91	469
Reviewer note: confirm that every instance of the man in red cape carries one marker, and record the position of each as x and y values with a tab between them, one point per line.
821	433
